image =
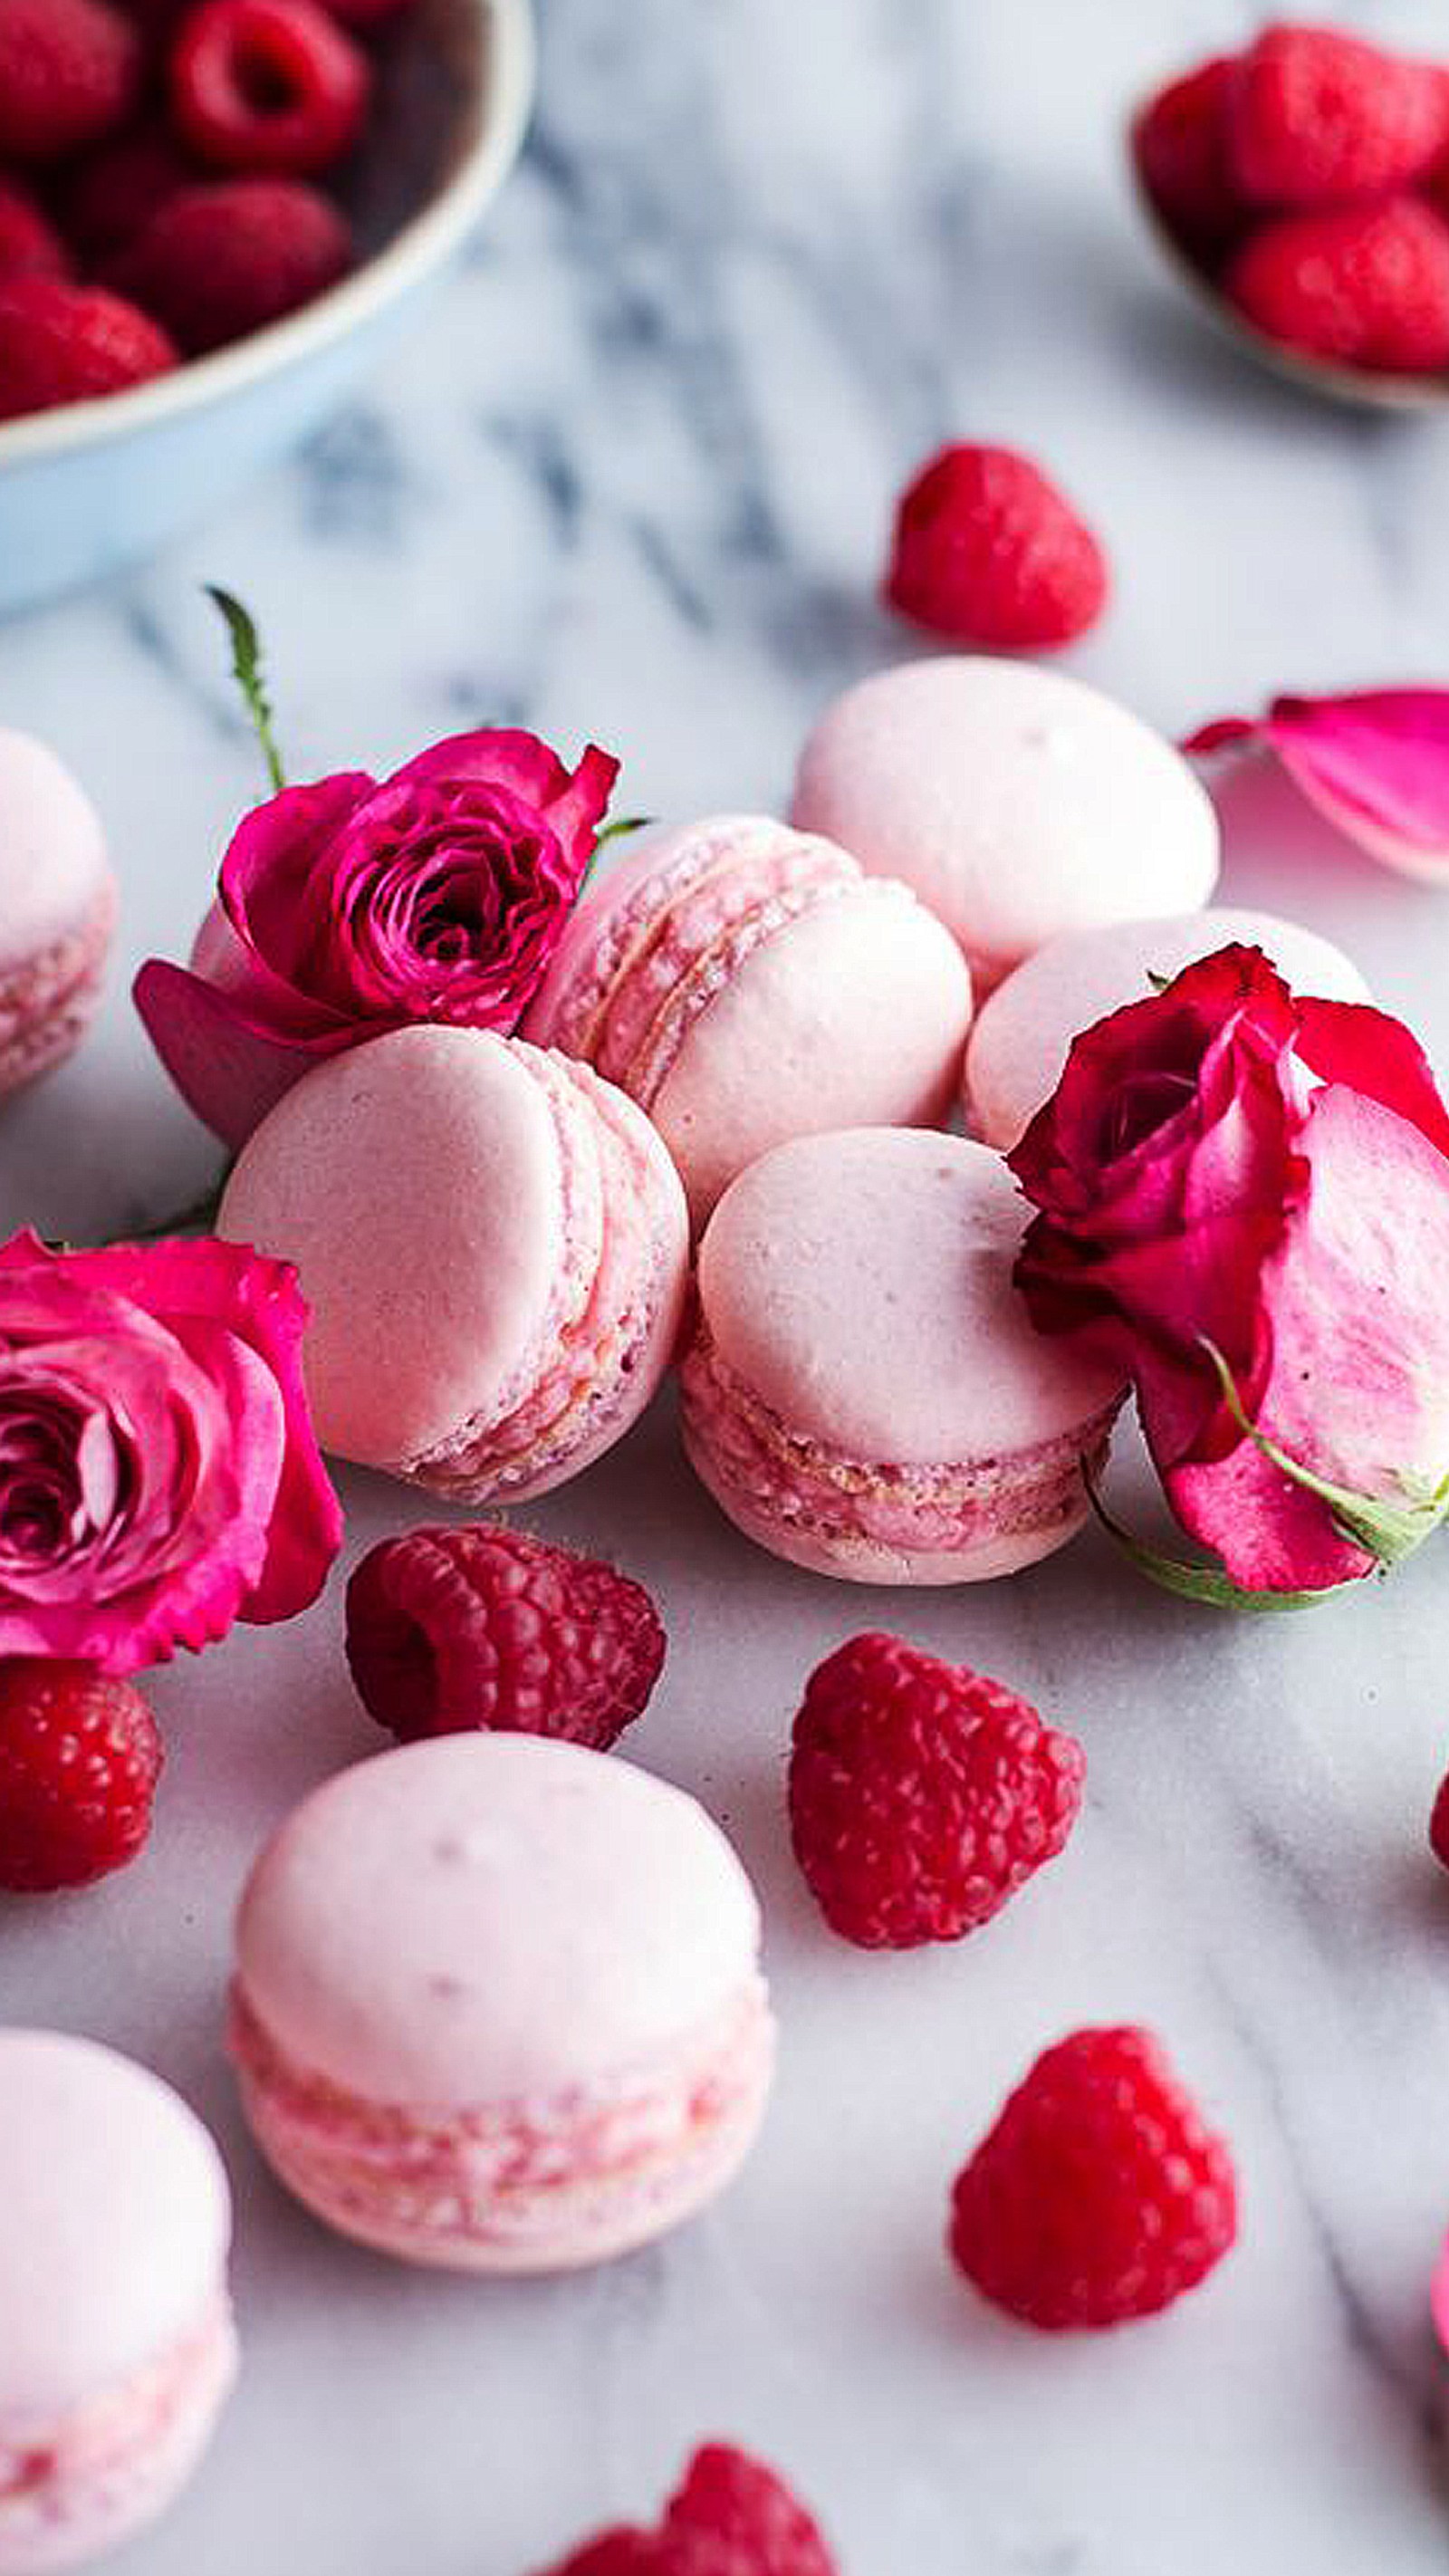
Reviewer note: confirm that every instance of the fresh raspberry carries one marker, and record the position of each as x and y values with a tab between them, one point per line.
987	551
267	85
1439	1824
64	344
1099	2195
118	189
731	2517
921	1795
1180	145
69	72
454	1628
1368	286
735	2517
1317	118
30	246
79	1761
217	261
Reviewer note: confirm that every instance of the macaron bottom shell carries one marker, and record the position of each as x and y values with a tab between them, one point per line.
47	1000
114	2465
878	1524
523	2188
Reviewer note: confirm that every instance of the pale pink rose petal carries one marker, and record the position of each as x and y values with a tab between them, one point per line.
1375	762
1357	1390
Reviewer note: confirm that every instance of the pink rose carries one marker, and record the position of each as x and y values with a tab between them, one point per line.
348	908
1225	1165
158	1474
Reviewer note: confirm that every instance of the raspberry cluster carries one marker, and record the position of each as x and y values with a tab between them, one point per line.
1309	178
160	164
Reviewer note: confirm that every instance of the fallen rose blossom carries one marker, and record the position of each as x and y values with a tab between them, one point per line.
159	1478
1244	1203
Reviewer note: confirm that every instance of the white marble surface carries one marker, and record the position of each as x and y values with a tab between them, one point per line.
631	480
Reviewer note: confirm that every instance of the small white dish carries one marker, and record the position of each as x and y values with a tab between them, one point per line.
91	487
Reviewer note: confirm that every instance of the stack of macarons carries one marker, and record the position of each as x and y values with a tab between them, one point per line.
746	1050
722	1141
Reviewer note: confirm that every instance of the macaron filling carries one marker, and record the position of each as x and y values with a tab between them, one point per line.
511	2175
682	936
611	1291
105	2452
47	998
804	1485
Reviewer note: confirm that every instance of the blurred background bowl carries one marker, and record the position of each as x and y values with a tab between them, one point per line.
1363	388
94	486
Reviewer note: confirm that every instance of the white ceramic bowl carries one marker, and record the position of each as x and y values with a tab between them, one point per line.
97	485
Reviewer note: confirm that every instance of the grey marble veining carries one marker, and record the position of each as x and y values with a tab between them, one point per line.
631	479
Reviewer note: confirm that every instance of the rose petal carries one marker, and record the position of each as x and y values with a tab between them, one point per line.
1375	762
269	863
1354	1299
226	1287
227	1068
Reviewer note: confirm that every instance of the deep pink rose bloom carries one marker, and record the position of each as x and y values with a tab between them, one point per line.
1224	1162
348	908
158	1474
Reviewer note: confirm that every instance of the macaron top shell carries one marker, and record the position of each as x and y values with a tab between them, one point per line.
1016	801
1024	1034
52	848
860	1284
115	2219
493	1918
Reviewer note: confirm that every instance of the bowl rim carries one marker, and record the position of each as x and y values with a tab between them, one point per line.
420	246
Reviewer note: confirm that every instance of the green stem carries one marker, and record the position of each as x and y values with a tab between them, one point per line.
248	666
1189	1580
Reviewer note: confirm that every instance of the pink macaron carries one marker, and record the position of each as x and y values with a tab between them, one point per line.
745	983
1016	801
864	1394
57	910
1021	1041
498	2005
494	1246
116	2340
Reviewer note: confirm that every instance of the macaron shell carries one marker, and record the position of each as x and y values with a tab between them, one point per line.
1017	802
600	1369
100	2491
114	2223
852	1556
860	1285
858	1008
53	864
621	904
554	1917
1020	1044
415	1183
49	998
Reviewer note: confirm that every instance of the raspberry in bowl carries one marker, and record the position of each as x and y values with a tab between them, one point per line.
1300	190
209	227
